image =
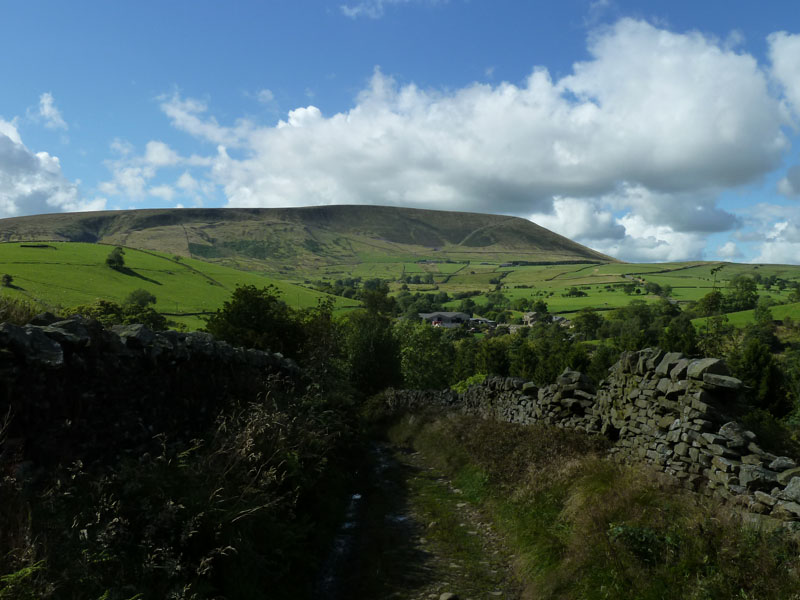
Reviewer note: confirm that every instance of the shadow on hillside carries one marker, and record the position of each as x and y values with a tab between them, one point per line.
132	273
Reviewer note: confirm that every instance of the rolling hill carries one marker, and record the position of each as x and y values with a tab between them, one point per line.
309	240
58	275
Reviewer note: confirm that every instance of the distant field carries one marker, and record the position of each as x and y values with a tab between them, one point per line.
689	282
746	317
65	274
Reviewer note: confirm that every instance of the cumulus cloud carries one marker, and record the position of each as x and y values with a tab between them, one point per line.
32	182
159	154
784	52
627	153
790	185
137	177
580	220
49	113
729	251
189	115
163	191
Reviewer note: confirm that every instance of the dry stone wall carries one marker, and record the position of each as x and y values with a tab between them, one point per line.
72	389
660	408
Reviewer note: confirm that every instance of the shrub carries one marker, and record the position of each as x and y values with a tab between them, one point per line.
115	258
17	311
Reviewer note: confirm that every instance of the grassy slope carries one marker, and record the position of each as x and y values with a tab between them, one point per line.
307	240
67	274
584	527
463	251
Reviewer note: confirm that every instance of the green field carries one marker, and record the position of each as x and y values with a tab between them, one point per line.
61	275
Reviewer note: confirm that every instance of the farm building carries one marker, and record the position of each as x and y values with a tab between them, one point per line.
445	319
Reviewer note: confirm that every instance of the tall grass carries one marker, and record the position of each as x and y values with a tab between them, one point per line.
17	310
231	512
584	527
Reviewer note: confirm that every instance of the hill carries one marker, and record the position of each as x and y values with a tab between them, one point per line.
60	275
311	239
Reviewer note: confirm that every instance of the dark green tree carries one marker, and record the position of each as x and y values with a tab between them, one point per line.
742	294
587	323
139	297
372	352
754	364
426	355
258	318
116	258
680	336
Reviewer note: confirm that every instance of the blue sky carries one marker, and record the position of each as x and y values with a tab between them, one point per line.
651	131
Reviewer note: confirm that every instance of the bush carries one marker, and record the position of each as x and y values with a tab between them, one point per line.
257	318
110	313
139	297
116	258
584	527
17	311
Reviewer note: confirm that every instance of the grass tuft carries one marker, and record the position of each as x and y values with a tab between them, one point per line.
584	527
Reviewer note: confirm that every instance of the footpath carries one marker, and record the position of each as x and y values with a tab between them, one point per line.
411	535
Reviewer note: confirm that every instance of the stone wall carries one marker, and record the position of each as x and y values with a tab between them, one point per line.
73	390
663	409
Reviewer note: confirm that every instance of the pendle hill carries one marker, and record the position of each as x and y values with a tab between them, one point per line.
308	238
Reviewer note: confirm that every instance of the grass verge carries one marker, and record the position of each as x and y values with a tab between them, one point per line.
583	527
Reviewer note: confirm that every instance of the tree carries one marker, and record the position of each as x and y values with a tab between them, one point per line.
110	313
7	280
140	297
679	336
586	323
426	356
710	304
742	294
257	318
753	363
115	258
372	352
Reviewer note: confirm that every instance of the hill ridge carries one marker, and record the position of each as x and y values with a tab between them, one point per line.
311	235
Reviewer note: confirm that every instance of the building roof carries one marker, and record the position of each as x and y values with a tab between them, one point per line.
446	315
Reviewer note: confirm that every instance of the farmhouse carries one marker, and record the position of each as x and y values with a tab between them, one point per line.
445	319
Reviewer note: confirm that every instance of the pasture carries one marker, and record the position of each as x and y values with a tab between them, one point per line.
63	274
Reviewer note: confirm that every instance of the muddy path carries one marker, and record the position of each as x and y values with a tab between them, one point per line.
410	534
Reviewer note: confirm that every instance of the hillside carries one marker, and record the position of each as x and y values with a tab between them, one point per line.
60	275
309	239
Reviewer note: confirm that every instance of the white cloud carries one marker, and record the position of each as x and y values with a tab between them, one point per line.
189	116
265	96
165	192
32	182
774	231
49	113
784	51
374	9
159	154
790	185
580	220
627	153
186	182
648	242
645	112
729	251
